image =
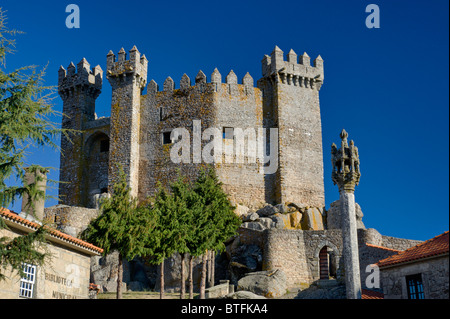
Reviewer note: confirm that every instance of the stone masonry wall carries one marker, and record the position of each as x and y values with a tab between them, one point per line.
435	277
239	106
296	252
161	112
64	276
293	88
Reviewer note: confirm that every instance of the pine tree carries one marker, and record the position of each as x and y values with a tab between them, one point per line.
182	194
25	111
121	226
218	222
167	237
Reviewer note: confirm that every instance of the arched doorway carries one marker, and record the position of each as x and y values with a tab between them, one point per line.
96	169
327	261
324	271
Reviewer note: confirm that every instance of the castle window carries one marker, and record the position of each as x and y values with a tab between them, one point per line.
166	138
228	133
27	281
414	285
104	146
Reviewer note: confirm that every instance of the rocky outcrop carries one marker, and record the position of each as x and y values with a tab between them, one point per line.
243	295
270	284
323	289
334	216
284	217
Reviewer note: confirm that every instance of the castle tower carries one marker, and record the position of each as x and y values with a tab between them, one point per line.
346	174
127	78
79	88
291	98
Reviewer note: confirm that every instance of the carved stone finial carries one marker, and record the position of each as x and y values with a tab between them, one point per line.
343	134
345	163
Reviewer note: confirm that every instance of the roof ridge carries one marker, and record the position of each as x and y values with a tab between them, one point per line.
425	242
422	250
383	247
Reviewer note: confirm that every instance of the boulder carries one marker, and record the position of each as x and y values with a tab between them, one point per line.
282	208
290	220
312	219
250	217
244	259
253	225
267	211
334	216
295	219
323	290
243	295
266	222
270	283
241	210
278	220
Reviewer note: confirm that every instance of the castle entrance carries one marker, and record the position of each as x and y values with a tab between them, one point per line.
327	267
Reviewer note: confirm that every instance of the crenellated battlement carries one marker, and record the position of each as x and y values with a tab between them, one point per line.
135	65
230	85
295	70
81	76
285	98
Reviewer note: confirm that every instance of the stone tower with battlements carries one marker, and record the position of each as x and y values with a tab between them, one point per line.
127	77
291	97
78	87
284	105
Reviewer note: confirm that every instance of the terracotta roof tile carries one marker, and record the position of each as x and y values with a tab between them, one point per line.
370	294
432	247
382	247
10	215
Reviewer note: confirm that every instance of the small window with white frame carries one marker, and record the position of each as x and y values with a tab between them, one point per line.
27	281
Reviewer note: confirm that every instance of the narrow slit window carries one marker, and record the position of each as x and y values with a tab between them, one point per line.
166	138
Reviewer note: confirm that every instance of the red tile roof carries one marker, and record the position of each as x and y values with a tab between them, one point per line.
382	247
370	294
14	217
432	247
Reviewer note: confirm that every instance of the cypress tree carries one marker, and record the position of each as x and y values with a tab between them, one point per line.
25	111
121	226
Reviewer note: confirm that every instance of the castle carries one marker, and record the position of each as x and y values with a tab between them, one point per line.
291	229
137	134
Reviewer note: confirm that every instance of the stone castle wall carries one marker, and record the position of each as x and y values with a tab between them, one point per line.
286	100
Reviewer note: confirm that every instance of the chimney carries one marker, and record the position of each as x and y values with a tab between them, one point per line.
39	177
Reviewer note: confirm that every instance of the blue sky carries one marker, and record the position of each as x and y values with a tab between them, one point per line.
387	87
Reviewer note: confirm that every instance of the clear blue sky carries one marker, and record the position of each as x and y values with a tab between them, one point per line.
387	87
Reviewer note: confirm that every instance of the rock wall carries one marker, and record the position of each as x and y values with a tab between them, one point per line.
434	274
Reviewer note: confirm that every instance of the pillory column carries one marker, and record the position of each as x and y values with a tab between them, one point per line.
346	175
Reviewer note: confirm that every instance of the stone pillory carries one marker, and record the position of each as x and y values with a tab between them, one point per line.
137	134
345	173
